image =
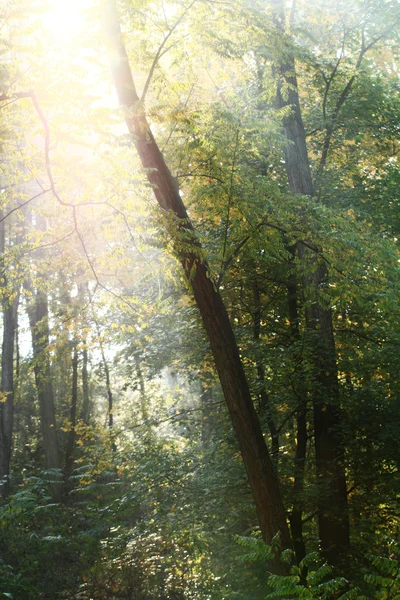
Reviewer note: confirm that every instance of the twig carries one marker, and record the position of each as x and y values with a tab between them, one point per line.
56	241
161	51
92	268
361	336
24	204
345	92
331	78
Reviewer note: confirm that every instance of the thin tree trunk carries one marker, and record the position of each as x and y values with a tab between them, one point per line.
261	473
110	411
10	311
17	353
85	411
109	390
262	390
333	517
296	516
69	454
143	400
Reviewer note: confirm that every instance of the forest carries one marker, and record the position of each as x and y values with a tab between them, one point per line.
199	291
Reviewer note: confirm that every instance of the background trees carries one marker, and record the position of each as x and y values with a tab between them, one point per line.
279	129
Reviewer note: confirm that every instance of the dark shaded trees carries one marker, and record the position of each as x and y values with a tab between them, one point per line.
333	510
10	302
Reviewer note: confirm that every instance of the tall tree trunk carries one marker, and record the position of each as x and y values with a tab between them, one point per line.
85	410
110	398
10	311
296	516
261	473
262	390
333	519
333	510
69	453
38	313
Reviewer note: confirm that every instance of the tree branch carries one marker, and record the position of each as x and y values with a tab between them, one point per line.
346	91
44	191
331	78
161	51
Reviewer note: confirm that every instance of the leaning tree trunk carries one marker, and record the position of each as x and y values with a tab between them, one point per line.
333	517
261	474
10	311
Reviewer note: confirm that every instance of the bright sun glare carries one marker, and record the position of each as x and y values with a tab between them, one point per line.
65	19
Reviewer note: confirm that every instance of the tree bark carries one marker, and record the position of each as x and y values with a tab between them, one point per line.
262	390
85	413
110	398
109	390
261	473
10	311
333	518
38	313
69	453
296	516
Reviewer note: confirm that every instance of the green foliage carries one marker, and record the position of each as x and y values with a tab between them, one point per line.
386	575
159	507
36	534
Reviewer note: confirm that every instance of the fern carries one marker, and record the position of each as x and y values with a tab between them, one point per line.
310	580
386	574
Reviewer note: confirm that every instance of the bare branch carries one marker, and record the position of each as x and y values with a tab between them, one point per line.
360	335
52	189
346	91
332	77
123	215
207	175
65	237
24	204
92	268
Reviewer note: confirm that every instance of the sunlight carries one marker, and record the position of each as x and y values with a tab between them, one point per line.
65	19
